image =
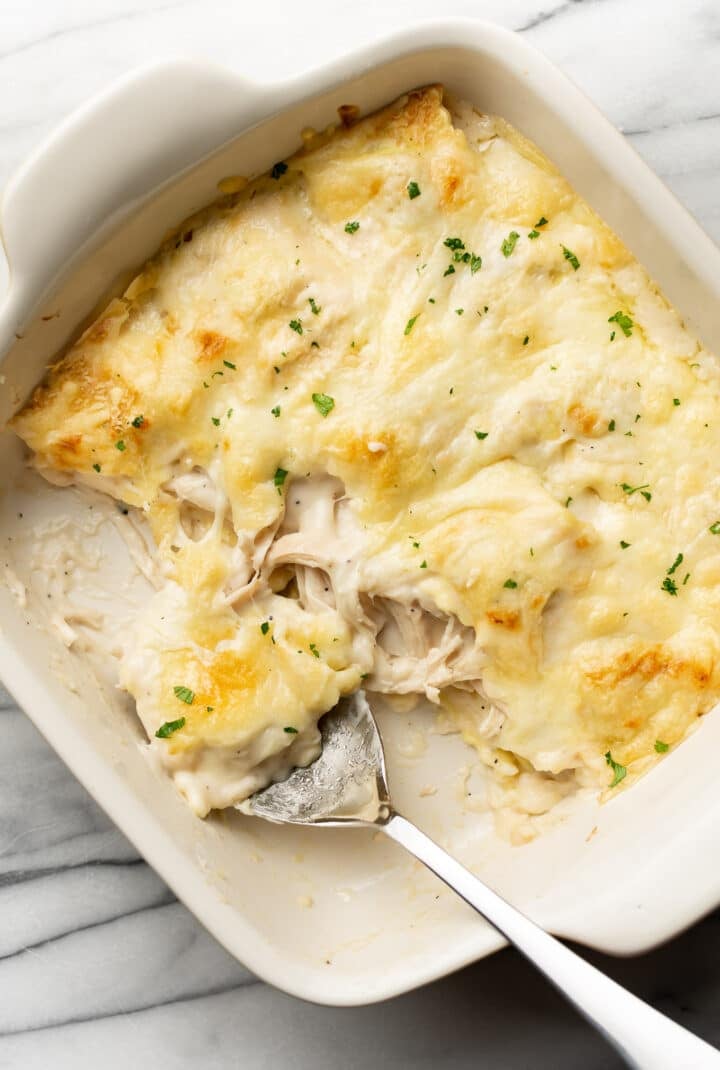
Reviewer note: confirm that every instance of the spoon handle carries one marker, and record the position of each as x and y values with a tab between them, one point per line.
643	1036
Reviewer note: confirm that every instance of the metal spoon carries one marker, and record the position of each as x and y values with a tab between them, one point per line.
347	785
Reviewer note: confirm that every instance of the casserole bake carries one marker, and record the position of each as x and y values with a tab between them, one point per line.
351	966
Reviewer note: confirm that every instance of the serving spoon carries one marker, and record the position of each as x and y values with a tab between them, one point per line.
347	786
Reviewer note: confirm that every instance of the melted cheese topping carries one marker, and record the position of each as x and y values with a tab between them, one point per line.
413	405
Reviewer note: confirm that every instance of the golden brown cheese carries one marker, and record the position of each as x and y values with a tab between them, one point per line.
528	437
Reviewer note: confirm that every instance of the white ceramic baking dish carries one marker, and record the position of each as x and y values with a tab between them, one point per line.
335	916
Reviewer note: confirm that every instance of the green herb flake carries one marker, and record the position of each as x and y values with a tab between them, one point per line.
526	339
323	403
169	727
567	502
542	221
676	401
410	324
184	694
481	434
631	490
611	425
619	771
612	336
413	190
661	747
714	529
624	545
669	585
265	627
509	243
454	243
351	228
278	169
314	308
459	311
623	321
120	445
296	325
290	730
449	271
96	467
675	565
314	650
533	234
138	421
276	410
510	584
279	477
570	257
276	369
216	373
215	420
475	263
229	364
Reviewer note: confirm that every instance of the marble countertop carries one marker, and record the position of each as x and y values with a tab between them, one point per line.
99	964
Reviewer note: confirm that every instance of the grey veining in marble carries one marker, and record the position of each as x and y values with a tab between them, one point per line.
99	965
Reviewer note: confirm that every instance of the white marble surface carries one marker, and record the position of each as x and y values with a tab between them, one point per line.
99	965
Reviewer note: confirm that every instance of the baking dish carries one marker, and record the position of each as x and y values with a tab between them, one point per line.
334	916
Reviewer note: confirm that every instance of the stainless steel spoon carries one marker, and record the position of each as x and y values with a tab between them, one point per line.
347	785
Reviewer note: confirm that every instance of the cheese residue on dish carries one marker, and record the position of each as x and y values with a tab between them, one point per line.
405	414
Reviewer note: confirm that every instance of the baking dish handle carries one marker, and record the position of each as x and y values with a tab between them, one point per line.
103	158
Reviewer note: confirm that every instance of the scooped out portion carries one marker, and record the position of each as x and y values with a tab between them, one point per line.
404	414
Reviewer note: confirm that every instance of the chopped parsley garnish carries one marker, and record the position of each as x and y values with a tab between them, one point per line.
314	650
624	545
611	425
410	324
454	243
475	263
350	228
138	421
216	373
669	585
687	577
676	563
450	270
278	169
265	627
661	747
459	311
510	584
96	467
619	771
714	529
323	403
413	190
275	369
316	345
481	434
570	257
623	321
542	221
120	445
423	564
184	694
567	502
526	339
315	309
296	325
169	727
676	401
279	477
532	234
631	490
509	243
275	411
215	420
290	730
612	336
